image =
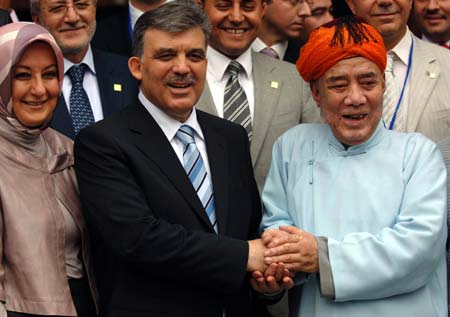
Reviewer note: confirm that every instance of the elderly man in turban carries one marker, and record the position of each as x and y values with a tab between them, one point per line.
358	211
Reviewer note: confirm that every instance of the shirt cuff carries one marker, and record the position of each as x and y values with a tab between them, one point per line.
326	283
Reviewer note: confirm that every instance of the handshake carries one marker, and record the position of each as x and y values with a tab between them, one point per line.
275	258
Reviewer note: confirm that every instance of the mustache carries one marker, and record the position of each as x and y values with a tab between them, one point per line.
179	79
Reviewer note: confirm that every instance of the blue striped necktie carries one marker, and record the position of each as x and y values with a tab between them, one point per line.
195	169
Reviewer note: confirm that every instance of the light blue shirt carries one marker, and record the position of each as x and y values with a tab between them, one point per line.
382	206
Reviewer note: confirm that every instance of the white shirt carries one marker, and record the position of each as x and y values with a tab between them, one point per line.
401	50
170	127
280	47
135	13
217	78
89	84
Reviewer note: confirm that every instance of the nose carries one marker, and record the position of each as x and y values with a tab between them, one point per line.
181	66
37	87
304	10
235	15
432	5
71	15
355	96
384	3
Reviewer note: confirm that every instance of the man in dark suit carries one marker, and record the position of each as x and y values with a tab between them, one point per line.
96	84
115	25
170	217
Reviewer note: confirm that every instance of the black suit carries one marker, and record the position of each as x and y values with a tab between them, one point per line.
292	51
110	69
156	252
4	17
113	30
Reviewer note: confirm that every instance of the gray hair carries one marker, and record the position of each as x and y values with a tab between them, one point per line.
172	17
35	8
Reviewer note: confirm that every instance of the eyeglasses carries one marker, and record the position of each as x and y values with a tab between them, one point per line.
60	8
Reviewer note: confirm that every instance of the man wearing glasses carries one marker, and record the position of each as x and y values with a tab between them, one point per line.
96	83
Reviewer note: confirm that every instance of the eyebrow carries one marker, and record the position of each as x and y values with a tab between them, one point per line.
367	75
334	79
27	67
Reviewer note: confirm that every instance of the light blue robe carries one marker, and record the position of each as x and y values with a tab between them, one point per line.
382	205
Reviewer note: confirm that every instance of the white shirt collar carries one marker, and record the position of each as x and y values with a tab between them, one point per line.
168	124
218	63
402	48
279	47
88	59
135	13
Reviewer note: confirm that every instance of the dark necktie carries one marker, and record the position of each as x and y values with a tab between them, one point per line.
235	105
80	108
196	171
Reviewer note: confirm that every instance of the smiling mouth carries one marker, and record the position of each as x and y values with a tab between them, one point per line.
355	116
34	103
235	31
179	85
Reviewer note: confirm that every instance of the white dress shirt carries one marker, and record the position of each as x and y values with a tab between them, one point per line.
170	127
401	51
217	78
280	47
135	13
89	84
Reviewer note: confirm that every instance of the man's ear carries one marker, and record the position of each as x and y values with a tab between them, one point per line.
35	19
134	65
315	92
200	3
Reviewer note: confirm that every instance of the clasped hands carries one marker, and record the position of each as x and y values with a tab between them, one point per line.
278	255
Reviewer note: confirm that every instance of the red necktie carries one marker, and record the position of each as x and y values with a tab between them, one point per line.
445	45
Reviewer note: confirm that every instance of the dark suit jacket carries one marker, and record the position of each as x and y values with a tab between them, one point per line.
113	33
110	69
156	252
292	51
4	17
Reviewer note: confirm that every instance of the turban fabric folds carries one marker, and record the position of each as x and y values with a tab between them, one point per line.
340	39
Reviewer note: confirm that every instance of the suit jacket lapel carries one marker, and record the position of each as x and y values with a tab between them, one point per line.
267	93
218	162
424	75
206	102
61	120
150	139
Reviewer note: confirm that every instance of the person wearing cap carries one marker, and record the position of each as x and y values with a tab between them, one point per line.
357	210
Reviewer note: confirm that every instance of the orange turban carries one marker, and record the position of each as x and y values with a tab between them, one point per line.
333	42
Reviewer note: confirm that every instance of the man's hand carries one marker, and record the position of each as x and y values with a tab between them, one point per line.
256	256
275	279
297	250
271	237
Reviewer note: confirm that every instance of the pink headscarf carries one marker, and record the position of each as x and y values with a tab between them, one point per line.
14	39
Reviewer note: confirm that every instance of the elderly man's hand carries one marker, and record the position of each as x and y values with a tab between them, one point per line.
274	280
297	250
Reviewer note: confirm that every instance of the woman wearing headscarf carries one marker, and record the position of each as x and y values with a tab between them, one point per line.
45	267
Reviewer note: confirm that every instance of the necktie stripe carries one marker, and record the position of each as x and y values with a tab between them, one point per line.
196	172
235	106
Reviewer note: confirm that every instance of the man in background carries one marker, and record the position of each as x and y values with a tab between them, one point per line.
96	84
115	25
432	18
281	26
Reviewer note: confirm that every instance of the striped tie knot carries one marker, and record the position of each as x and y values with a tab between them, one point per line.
186	135
234	68
76	73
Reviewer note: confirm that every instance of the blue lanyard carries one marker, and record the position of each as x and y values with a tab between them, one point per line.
394	117
130	28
